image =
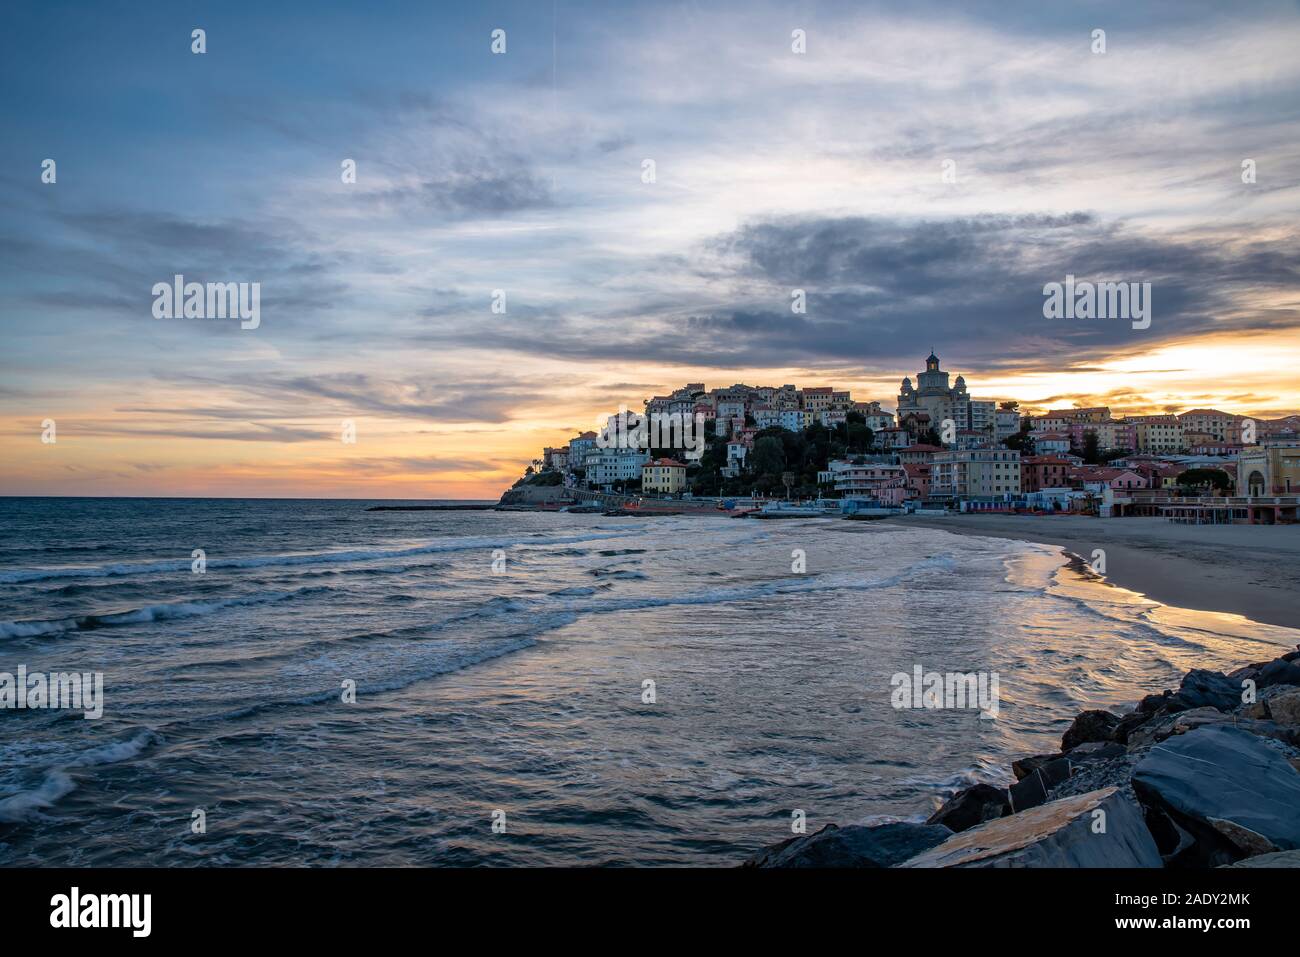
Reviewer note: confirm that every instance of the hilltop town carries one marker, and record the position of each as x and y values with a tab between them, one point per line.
941	449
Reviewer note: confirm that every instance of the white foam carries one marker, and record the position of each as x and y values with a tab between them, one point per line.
309	558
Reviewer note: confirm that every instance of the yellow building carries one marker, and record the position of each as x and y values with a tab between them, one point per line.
1269	469
1157	433
663	475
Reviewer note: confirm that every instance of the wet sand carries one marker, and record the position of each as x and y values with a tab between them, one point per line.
1249	570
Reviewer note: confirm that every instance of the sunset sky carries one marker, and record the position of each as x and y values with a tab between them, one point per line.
523	172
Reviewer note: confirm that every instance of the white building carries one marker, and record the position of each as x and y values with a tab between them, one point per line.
606	466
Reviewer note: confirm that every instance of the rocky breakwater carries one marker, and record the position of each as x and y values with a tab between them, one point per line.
1207	775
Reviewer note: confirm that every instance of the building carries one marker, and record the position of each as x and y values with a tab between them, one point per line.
580	446
1218	426
918	480
975	473
1051	443
667	476
1110	434
818	399
983	416
972	439
1006	423
918	454
607	466
1097	478
865	480
795	420
1156	433
1272	469
832	417
893	438
1038	472
934	397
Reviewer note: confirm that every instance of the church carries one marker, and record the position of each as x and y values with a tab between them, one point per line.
933	400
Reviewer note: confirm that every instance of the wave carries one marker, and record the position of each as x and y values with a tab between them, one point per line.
712	596
456	656
20	576
145	615
58	783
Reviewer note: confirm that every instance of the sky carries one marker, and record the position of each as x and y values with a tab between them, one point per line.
526	171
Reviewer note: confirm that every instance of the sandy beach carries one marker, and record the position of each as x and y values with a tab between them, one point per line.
1249	570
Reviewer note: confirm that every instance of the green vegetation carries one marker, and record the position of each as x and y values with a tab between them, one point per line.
539	479
1201	480
781	462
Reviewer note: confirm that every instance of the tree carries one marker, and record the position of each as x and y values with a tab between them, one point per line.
768	456
1021	441
1091	449
1204	479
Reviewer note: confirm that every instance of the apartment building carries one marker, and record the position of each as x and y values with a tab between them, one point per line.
966	473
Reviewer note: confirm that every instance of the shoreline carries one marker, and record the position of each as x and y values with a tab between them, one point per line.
1206	775
1247	570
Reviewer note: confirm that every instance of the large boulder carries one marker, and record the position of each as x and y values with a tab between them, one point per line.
1276	859
1023	767
1162	726
882	845
1130	723
1280	671
1202	689
1160	729
1233	792
974	805
1031	790
1098	829
1090	726
1166	701
1284	708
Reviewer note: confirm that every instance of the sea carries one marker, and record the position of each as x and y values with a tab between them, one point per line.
302	682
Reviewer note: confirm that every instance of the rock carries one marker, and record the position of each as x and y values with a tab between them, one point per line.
1095	751
1032	790
1090	726
1023	767
1165	701
974	805
1161	727
1279	672
1061	833
1095	775
1276	859
1284	708
1250	672
1222	780
1180	847
1129	723
882	845
1202	689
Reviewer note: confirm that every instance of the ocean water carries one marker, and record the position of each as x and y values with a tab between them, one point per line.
515	694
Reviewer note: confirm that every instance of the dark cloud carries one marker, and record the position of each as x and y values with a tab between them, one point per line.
885	291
